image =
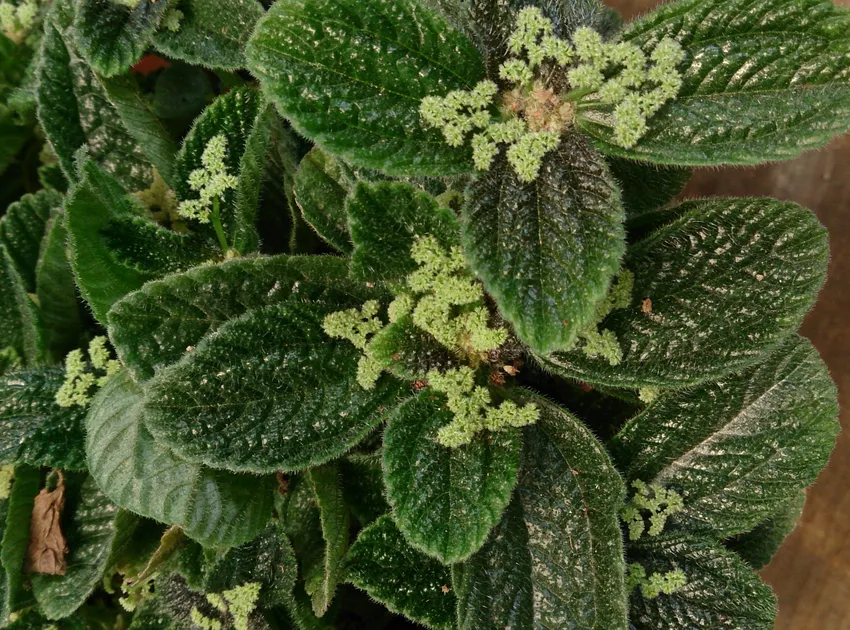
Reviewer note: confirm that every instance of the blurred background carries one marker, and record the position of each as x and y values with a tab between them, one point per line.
811	572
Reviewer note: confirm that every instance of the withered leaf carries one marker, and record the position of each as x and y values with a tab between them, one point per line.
47	548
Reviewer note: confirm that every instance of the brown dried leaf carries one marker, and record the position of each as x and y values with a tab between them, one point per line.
47	548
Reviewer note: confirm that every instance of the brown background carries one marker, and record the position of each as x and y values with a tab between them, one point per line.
811	572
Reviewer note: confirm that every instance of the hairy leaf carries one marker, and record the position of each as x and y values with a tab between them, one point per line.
747	96
22	229
760	545
446	500
14	596
335	519
703	285
19	327
406	581
321	185
647	187
216	508
546	251
351	74
409	352
740	448
363	487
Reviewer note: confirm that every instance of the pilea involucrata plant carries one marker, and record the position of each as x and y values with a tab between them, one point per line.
381	313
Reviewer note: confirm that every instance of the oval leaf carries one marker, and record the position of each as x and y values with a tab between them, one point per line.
22	229
321	185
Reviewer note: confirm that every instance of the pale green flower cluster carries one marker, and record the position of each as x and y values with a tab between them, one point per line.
210	181
656	584
172	19
357	326
604	343
17	21
649	395
128	3
82	376
7	475
661	504
471	406
240	602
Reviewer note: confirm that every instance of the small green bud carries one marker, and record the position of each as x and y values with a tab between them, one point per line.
172	19
369	371
211	181
400	307
516	71
354	325
663	583
660	502
484	151
526	156
586	77
649	395
589	46
7	474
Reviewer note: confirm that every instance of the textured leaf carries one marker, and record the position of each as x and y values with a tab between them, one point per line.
213	33
216	508
351	74
18	314
721	591
335	519
16	534
406	581
546	251
112	36
269	391
747	97
409	352
385	219
33	428
95	529
301	520
647	187
321	185
446	500
22	229
13	137
363	487
711	276
760	545
739	449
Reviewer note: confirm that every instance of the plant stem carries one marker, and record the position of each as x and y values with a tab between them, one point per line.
219	230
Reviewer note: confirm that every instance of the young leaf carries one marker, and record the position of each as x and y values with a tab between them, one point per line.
14	596
721	590
33	428
760	545
446	500
746	98
112	36
363	104
703	284
277	393
19	327
22	229
406	581
216	508
546	251
95	530
321	185
212	33
739	449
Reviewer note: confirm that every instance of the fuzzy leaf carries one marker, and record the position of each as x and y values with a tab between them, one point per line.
14	596
216	508
112	36
739	449
351	75
335	519
647	187
721	590
153	327
19	327
406	581
33	428
95	530
446	500
321	185
760	545
213	33
546	251
409	352
363	487
269	391
710	277
747	98
22	229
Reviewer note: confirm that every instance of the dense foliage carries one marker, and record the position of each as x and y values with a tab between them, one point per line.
382	313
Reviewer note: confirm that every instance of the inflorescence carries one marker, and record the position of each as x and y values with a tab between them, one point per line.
532	116
603	343
211	181
661	504
17	21
239	602
81	376
651	586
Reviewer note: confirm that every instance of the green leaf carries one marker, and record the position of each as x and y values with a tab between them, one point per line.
22	229
760	545
14	595
546	251
363	104
269	391
710	276
335	519
213	33
112	36
301	520
153	327
33	428
385	219
647	187
363	487
721	590
746	97
18	314
739	449
409	352
321	185
446	500
216	508
406	581
95	530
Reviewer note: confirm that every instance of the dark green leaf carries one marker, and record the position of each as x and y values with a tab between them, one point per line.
33	428
351	74
747	98
710	276
446	500
112	36
363	487
721	591
301	520
181	92
546	251
647	187
95	530
14	596
321	185
406	581
385	219
216	508
759	546
269	391
22	229
739	449
213	33
19	327
408	351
